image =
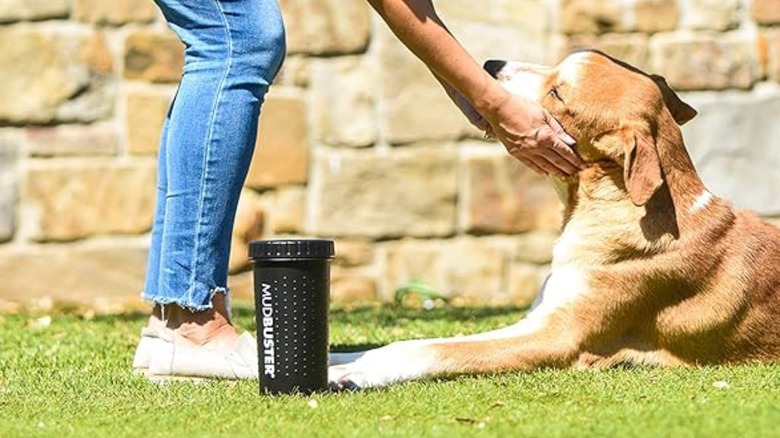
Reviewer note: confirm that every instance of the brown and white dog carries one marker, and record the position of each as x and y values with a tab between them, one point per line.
650	268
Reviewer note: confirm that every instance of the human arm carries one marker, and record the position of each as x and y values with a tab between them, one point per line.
527	131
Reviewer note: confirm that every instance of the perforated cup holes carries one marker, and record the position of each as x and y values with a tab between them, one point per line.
298	326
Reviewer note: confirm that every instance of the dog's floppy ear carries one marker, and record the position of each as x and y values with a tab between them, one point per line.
641	166
681	111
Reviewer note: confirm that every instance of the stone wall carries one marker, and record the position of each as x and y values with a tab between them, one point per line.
357	141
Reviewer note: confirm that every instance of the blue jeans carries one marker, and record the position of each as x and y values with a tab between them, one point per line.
234	49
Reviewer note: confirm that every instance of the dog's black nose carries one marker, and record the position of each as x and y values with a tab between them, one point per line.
493	66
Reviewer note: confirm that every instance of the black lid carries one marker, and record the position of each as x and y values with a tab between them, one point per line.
291	249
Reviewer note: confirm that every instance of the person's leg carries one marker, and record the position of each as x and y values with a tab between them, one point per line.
234	50
153	262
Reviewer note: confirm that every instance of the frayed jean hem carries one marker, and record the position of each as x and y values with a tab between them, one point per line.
187	303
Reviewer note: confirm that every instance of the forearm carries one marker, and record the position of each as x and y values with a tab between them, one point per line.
417	25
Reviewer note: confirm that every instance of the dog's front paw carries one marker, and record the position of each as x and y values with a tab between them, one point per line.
366	372
384	366
341	377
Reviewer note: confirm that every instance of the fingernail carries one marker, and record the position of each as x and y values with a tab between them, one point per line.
569	140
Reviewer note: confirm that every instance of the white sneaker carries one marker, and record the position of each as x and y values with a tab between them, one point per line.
146	344
167	358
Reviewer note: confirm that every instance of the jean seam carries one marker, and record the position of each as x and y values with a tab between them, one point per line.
207	155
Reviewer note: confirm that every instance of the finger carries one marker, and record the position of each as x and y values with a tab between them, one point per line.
551	169
566	153
531	165
545	165
557	128
556	164
561	149
525	157
560	164
566	138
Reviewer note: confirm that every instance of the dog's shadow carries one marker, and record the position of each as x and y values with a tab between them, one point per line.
389	317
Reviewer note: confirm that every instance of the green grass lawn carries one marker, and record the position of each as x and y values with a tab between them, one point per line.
72	378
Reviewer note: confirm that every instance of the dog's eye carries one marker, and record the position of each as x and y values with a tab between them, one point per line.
554	93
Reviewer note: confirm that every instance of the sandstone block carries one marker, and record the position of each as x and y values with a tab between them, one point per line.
145	115
713	14
504	196
655	15
73	140
54	75
242	287
632	48
287	210
704	61
733	142
502	41
467	269
153	56
116	12
8	187
343	102
108	271
762	54
282	152
69	200
248	226
296	71
771	53
353	252
411	192
414	106
591	16
535	247
351	287
766	12
326	27
22	10
525	281
529	15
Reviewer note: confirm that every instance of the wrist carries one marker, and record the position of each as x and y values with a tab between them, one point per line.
492	96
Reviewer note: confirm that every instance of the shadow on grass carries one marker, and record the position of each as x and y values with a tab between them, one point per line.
377	316
133	317
390	315
383	315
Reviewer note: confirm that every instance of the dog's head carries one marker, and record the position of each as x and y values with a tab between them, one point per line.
614	110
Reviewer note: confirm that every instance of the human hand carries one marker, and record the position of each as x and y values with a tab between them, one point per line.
533	136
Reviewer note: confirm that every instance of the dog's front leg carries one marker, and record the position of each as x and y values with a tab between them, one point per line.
400	361
551	335
393	363
428	358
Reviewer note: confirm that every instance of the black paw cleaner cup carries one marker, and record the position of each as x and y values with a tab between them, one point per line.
292	288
